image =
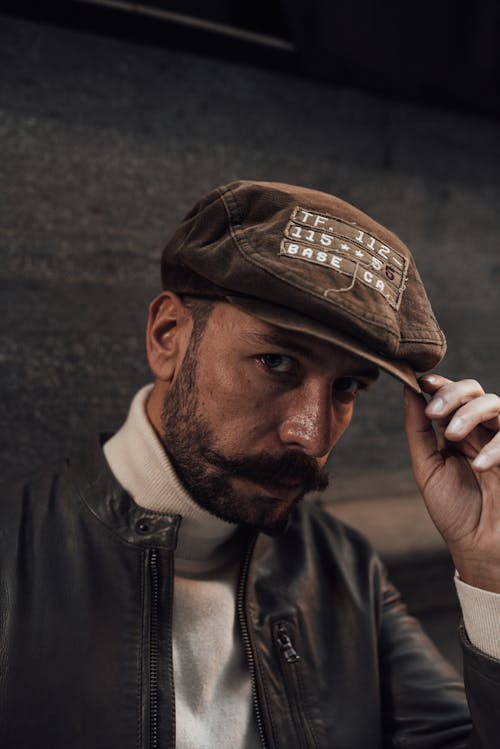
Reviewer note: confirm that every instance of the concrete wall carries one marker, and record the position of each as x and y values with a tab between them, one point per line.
105	145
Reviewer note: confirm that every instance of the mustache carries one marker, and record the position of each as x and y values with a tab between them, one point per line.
293	467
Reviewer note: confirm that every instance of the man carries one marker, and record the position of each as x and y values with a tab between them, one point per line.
169	588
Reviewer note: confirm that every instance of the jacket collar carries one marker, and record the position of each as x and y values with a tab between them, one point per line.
97	488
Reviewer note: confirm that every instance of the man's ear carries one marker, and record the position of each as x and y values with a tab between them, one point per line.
167	336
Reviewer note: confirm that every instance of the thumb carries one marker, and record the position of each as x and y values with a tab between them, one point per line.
422	440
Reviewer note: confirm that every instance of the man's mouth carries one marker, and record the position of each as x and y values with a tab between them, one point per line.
286	491
291	474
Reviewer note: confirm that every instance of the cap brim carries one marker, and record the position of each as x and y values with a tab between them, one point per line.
285	318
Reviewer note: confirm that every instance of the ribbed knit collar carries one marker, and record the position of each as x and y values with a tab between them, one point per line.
141	465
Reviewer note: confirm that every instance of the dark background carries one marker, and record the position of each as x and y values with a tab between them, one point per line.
111	133
113	123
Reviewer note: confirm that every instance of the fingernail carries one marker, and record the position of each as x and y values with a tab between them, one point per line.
437	406
456	425
429	378
482	461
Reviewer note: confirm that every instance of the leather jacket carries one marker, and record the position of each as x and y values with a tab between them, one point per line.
86	594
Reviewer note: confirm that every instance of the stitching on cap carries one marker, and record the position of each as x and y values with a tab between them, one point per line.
349	223
346	265
269	271
243	239
343	238
432	341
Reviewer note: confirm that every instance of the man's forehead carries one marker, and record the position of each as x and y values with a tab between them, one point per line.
255	331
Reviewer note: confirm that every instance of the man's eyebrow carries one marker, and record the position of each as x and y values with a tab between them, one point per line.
283	340
276	338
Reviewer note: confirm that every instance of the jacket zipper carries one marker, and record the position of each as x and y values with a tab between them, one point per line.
247	644
288	660
154	638
154	634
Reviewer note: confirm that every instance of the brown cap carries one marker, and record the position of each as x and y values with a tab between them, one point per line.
308	261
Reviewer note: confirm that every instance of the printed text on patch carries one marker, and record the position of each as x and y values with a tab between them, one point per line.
346	249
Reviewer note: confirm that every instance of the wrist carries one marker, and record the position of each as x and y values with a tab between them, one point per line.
479	574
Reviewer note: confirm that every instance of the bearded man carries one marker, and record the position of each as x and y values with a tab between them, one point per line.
170	588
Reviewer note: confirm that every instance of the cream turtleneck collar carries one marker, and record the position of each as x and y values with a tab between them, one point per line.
140	464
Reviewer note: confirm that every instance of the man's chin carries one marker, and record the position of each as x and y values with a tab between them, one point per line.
258	512
269	526
261	493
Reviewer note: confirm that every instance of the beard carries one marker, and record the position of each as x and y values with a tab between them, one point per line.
209	476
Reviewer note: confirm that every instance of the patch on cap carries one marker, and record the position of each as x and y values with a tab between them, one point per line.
313	255
348	251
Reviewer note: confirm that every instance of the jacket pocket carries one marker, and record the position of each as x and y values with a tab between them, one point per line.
284	639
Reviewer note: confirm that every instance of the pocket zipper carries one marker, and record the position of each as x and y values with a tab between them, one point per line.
289	658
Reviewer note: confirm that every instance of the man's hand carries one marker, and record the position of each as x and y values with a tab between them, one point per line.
457	469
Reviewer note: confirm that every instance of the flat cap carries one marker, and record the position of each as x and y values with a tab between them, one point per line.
308	261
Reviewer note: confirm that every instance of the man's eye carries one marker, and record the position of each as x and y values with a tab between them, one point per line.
346	388
277	363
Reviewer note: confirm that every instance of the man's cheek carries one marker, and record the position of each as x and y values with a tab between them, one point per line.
343	418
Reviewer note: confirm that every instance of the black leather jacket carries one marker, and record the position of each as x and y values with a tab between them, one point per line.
86	592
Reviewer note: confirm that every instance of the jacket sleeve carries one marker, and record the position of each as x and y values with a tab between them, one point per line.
423	700
482	684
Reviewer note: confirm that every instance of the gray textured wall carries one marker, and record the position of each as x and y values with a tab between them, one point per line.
106	144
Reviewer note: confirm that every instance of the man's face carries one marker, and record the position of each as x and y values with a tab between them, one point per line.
253	414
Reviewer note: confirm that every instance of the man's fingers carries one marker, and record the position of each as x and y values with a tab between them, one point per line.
483	410
422	441
465	414
489	456
432	382
450	396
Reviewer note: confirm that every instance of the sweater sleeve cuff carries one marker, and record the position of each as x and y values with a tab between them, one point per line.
481	614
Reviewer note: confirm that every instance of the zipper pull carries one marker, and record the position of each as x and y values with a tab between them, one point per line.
285	643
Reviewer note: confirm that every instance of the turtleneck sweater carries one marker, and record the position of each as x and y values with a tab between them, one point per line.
212	682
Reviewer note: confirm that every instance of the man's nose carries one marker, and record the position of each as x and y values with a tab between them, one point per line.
308	423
